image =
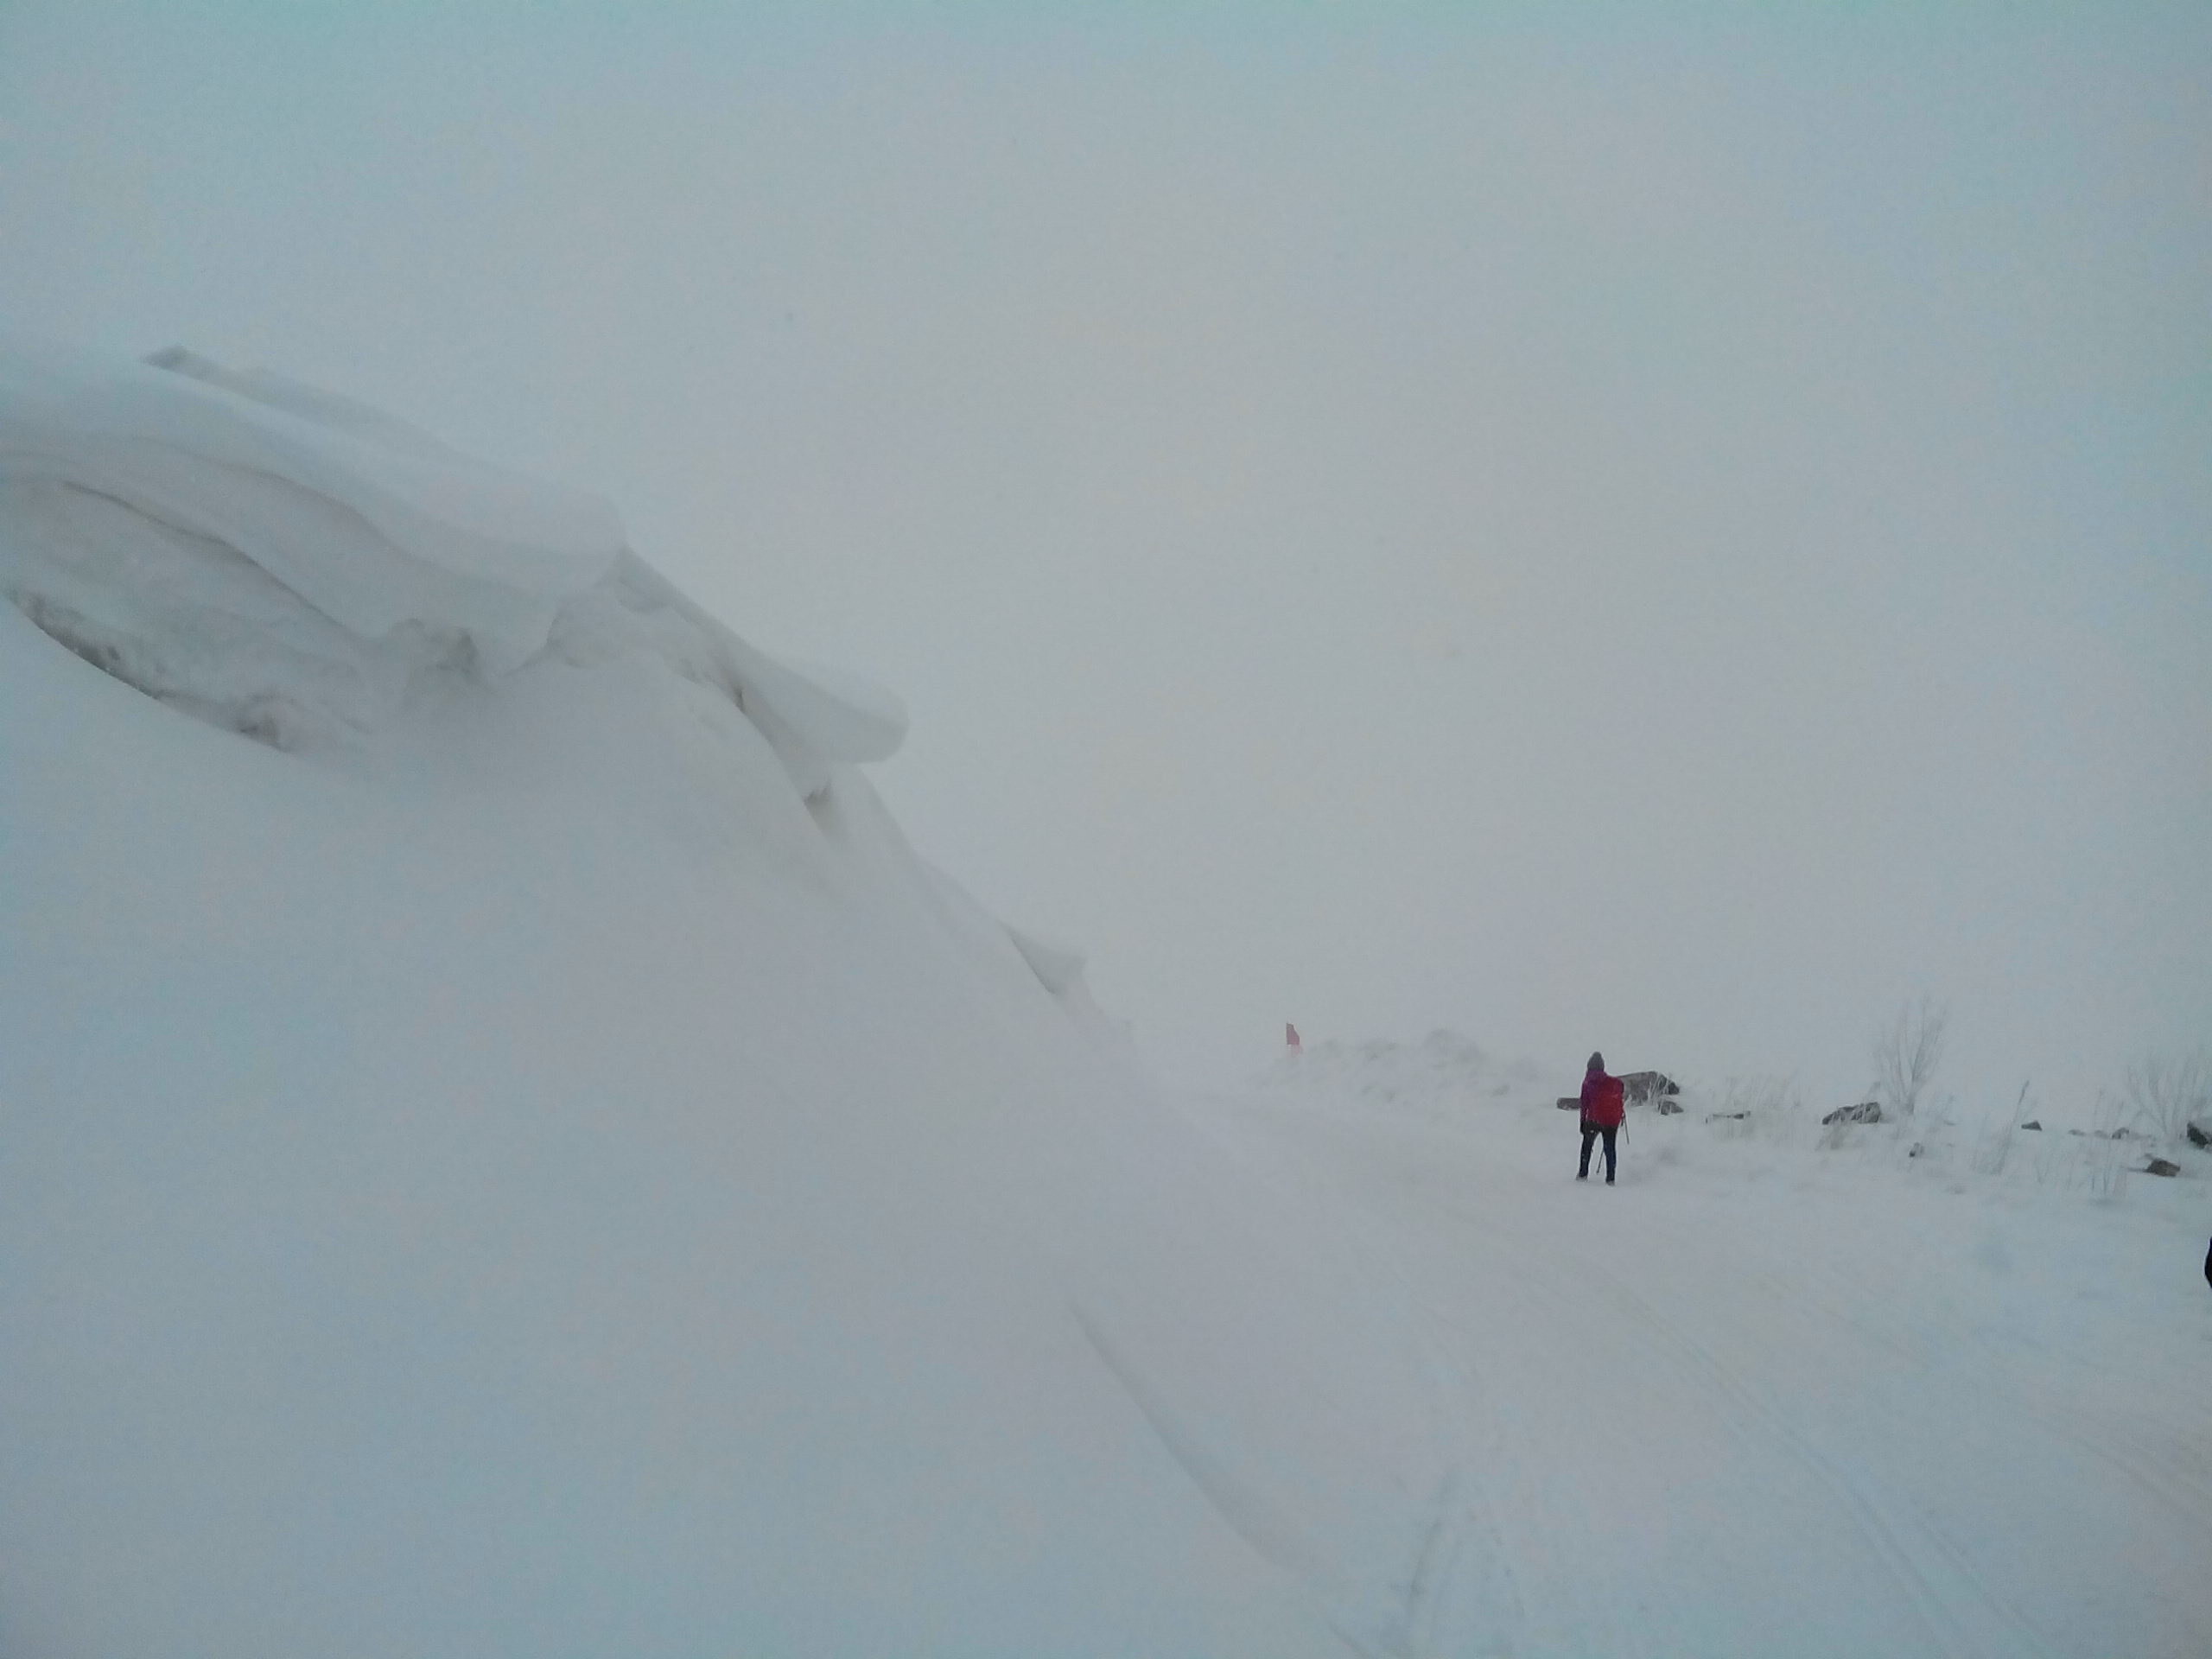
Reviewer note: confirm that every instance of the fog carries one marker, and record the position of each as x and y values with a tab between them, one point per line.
1673	532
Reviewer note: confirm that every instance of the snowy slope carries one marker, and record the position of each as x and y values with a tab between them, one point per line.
504	1149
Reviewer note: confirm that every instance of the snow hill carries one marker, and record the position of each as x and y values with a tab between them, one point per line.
504	1150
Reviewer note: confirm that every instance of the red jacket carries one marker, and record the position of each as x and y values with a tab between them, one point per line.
1604	1101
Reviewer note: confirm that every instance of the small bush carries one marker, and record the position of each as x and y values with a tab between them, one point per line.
1994	1146
2164	1092
1746	1107
1907	1052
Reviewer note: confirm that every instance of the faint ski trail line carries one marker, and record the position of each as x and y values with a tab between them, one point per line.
1872	1518
1931	1608
1873	1514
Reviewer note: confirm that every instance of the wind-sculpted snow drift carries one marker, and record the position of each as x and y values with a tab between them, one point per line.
288	562
520	1158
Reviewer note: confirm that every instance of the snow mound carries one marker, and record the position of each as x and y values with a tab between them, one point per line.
376	528
563	1177
291	564
814	718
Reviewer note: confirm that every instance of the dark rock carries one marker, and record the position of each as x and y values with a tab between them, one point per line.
1866	1111
2160	1166
2199	1134
1570	1103
1670	1108
1714	1117
1641	1086
2031	1124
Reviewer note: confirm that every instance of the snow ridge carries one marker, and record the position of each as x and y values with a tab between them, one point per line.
291	563
557	1173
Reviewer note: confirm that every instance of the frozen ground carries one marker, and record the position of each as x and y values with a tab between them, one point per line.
506	1154
1782	1390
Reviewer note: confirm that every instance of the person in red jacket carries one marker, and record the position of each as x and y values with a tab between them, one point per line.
1604	1106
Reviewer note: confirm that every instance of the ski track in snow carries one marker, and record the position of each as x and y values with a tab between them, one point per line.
1921	1561
1890	1533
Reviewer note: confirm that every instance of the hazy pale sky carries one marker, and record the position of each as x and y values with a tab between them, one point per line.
1666	528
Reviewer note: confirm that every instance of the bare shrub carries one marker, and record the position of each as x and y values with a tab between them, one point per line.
2106	1178
1747	1106
1765	1096
2102	1172
1993	1147
1907	1052
2164	1092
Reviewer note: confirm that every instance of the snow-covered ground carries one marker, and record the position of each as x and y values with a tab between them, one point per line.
505	1151
1785	1389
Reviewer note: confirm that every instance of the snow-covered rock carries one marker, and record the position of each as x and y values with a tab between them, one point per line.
1641	1086
1867	1111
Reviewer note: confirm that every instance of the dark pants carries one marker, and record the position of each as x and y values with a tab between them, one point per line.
1591	1132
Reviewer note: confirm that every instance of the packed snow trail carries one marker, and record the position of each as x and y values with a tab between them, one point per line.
1771	1419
